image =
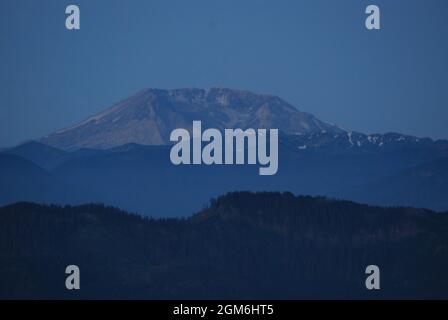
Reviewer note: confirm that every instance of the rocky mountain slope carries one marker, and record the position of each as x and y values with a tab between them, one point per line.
149	116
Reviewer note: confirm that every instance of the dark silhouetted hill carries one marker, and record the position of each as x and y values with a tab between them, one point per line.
243	245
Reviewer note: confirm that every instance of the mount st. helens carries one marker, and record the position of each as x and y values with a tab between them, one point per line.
121	157
148	117
256	245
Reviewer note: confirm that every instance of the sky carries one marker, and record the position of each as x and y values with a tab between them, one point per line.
315	54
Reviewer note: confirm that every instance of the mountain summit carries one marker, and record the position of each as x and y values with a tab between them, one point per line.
149	116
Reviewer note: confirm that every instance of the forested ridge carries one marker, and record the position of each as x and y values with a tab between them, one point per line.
243	245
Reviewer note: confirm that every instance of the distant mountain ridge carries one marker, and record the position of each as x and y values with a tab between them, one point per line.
351	140
139	178
121	155
148	117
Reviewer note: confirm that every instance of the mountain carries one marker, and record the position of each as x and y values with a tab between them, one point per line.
242	246
141	178
423	185
341	142
148	117
48	157
40	154
121	156
22	180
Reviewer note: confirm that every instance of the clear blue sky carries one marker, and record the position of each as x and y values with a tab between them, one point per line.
316	54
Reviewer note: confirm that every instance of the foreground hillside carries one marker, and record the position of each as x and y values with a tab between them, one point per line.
244	245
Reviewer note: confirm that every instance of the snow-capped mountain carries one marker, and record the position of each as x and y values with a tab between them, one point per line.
149	116
356	141
121	155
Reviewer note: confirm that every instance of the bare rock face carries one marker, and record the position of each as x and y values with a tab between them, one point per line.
149	116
